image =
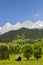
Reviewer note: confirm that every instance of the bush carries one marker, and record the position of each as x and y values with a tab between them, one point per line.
37	51
11	49
14	49
27	51
4	52
17	49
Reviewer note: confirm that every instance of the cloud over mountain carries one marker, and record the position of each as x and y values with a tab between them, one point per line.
0	28
27	24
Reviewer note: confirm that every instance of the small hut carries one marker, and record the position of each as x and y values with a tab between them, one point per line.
18	58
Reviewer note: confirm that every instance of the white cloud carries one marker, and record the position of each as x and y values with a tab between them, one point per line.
39	24
27	24
7	27
0	28
17	26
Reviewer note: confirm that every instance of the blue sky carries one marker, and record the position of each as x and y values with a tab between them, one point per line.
20	10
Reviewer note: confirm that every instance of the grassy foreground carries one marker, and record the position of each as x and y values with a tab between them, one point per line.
24	61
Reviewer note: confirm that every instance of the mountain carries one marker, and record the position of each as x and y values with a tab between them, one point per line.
29	34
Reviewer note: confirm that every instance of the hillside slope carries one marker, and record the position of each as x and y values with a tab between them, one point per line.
29	34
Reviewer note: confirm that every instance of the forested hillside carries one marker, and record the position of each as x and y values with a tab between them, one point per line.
28	33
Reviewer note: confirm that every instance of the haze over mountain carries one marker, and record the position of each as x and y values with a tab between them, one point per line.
27	24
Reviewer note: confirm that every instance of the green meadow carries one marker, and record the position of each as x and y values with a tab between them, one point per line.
24	61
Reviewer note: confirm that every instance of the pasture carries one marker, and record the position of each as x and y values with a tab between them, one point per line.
24	61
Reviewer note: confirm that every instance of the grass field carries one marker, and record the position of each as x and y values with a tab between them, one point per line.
24	61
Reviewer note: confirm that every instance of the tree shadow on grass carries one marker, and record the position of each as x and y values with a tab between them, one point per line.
30	60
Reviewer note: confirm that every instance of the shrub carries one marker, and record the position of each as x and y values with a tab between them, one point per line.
11	49
37	51
4	52
27	51
14	49
17	49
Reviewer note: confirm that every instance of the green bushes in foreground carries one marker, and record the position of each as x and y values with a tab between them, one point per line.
36	51
4	52
27	50
14	49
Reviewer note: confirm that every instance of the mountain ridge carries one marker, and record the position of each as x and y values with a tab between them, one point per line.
28	33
